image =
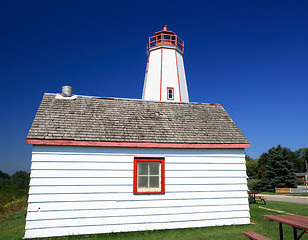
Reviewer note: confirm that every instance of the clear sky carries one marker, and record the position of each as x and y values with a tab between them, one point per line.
249	56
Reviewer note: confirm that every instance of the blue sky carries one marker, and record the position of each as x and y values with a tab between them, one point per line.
249	56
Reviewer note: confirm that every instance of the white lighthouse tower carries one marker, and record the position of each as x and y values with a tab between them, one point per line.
165	78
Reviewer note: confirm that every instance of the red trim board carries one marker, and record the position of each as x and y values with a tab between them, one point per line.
134	144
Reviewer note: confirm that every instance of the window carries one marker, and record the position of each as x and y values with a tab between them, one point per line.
170	95
149	175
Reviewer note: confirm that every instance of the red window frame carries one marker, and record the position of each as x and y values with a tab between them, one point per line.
170	88
150	159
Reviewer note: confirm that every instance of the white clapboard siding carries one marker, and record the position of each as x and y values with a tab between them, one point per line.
205	167
100	151
54	157
123	181
206	180
80	173
130	197
133	219
205	160
126	173
82	166
52	232
84	190
129	188
108	212
84	205
124	159
129	166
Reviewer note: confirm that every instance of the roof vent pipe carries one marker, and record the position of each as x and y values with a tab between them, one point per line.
67	91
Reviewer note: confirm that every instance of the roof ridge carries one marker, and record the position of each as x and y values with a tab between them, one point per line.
141	100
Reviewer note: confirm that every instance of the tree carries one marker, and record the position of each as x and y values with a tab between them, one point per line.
21	180
261	172
279	171
293	157
302	154
262	165
298	162
251	167
4	175
4	179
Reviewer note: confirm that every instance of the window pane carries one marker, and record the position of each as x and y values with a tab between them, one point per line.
143	182
154	168
170	93
154	182
143	168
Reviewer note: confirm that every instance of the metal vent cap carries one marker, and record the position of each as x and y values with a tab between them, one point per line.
67	91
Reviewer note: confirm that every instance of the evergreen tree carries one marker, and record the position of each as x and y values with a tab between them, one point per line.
279	171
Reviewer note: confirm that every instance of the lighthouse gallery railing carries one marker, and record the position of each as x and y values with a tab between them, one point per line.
165	39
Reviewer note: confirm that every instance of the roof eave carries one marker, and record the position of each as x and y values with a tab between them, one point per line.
138	144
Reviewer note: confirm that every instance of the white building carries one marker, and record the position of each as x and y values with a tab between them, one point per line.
103	165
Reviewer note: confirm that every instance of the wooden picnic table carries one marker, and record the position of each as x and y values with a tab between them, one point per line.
295	221
252	197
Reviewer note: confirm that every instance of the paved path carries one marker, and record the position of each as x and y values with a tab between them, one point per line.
281	198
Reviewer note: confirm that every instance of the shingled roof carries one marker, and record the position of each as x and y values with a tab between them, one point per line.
126	120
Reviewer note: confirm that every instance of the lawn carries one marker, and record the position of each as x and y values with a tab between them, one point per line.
12	227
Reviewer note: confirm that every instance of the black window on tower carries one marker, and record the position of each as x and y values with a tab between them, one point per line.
170	93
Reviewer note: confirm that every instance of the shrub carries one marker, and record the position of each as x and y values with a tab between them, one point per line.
15	205
12	199
300	183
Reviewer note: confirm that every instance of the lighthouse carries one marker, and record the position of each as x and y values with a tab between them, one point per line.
165	78
157	153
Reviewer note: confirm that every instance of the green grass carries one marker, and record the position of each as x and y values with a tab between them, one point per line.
12	227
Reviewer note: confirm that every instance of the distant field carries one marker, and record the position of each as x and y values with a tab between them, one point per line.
12	227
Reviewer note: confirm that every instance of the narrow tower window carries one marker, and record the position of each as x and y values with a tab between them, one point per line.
170	93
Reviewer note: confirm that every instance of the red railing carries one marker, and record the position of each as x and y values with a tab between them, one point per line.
165	39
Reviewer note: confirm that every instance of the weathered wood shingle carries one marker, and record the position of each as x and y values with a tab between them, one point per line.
125	120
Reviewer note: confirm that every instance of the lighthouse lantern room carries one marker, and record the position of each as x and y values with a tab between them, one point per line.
165	78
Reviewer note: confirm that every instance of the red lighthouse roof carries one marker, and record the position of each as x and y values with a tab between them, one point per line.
167	38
